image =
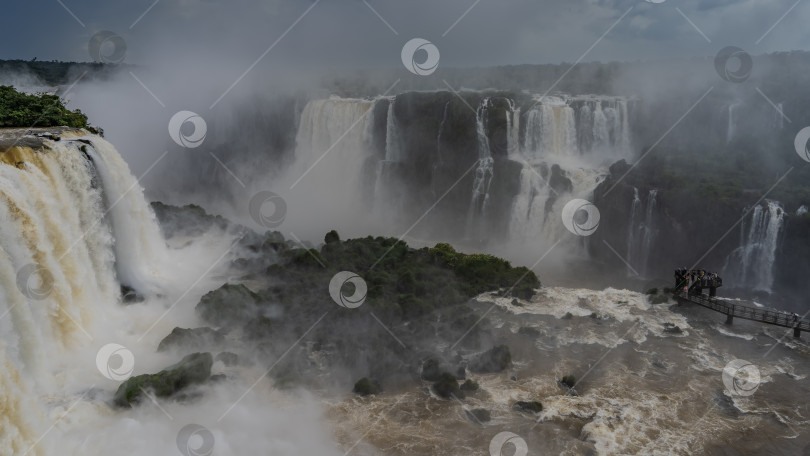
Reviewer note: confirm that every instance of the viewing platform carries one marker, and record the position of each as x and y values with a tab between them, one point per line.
694	295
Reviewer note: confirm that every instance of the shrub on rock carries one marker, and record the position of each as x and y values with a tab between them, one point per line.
192	369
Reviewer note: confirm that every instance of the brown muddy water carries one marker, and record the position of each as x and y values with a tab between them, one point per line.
643	387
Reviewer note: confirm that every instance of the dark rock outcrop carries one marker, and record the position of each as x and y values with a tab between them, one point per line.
528	406
197	338
447	387
496	359
191	370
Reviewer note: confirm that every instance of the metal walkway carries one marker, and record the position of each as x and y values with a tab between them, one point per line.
748	313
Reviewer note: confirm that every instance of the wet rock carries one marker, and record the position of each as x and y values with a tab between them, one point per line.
366	387
528	406
497	359
192	369
469	386
431	370
129	295
196	338
447	387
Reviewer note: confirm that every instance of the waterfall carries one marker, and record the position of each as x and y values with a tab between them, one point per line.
751	264
331	151
778	117
623	127
731	129
632	232
483	173
392	145
512	128
601	132
439	158
73	216
641	232
551	130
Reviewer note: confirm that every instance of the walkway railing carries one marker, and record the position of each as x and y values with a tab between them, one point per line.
748	313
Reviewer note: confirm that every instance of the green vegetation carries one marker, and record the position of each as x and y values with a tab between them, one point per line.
193	369
658	299
18	109
402	282
54	73
652	291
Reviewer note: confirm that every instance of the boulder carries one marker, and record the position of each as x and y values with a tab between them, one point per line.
366	387
496	359
447	387
528	406
197	338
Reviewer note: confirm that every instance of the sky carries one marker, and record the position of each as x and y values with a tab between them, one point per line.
371	33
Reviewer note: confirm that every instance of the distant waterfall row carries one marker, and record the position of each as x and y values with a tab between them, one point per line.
751	264
381	149
576	126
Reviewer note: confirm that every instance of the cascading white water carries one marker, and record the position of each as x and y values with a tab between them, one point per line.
439	155
731	130
512	128
556	133
73	223
632	232
751	264
332	146
392	142
550	129
483	173
641	232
